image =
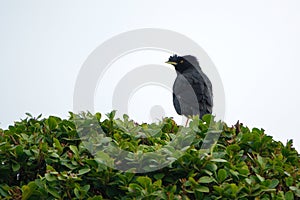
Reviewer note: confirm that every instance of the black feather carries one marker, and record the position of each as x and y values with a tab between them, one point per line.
192	89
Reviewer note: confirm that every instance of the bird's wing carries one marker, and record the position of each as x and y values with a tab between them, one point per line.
193	93
203	88
184	97
176	104
207	87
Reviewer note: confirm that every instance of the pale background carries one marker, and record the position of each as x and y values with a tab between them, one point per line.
254	44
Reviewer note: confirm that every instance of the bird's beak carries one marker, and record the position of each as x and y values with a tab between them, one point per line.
172	63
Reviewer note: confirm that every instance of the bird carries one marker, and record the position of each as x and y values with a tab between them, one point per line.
192	89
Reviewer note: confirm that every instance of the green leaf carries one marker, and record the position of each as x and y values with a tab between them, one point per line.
15	167
222	175
202	189
19	150
24	136
273	183
268	190
54	155
261	161
218	189
104	158
54	192
157	183
244	171
52	123
84	171
205	179
2	143
234	173
50	177
85	188
144	181
57	145
111	115
70	166
27	190
74	149
211	167
95	198
191	181
218	160
248	181
289	195
133	187
261	179
233	147
29	115
50	168
234	188
159	176
207	118
289	181
4	192
98	116
77	194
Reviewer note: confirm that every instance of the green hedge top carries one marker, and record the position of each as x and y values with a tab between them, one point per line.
54	158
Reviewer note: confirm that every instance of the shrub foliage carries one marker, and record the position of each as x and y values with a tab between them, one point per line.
44	158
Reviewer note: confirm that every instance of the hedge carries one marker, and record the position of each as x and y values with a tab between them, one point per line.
54	158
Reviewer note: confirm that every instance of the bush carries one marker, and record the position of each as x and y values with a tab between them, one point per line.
44	158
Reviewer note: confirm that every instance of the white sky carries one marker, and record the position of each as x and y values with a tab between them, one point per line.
255	46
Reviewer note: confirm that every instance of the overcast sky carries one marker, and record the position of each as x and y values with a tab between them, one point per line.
255	46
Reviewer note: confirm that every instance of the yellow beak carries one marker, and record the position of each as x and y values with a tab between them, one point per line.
172	63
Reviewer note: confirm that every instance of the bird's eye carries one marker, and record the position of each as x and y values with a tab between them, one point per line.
181	61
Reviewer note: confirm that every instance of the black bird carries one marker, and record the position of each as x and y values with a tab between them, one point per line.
192	90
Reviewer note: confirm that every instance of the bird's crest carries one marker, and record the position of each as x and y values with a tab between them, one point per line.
174	58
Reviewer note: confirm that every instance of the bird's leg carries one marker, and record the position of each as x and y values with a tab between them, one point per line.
186	123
